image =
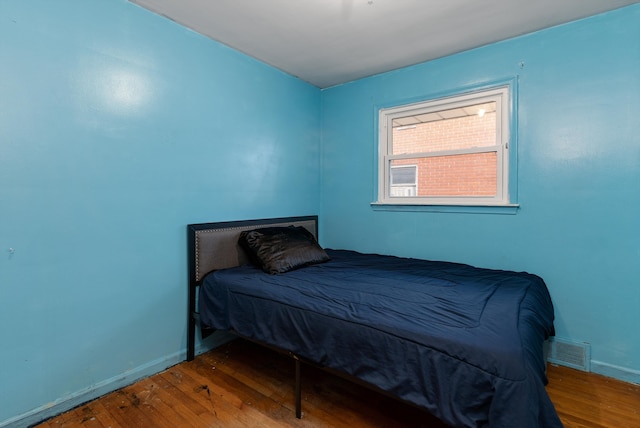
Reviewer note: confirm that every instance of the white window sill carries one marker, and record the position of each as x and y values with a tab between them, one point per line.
467	209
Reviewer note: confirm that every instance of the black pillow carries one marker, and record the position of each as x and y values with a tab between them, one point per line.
281	249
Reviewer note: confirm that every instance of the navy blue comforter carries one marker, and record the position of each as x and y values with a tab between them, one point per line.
464	343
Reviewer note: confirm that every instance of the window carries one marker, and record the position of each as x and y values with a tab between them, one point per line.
404	180
449	151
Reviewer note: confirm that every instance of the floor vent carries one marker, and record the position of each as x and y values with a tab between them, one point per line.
576	355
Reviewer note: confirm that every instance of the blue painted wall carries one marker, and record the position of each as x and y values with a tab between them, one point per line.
118	128
578	225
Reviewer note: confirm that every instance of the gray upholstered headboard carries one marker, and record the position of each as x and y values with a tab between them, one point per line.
215	246
212	246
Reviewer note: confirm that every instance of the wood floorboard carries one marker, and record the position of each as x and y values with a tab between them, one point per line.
244	385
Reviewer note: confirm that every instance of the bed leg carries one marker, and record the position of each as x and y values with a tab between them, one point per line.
298	389
191	337
191	321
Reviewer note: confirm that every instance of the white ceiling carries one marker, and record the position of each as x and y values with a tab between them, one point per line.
329	42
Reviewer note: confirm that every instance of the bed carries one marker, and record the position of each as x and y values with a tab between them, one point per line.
464	343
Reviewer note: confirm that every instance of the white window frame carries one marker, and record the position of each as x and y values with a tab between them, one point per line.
499	95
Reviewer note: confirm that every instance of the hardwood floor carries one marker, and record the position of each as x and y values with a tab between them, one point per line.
585	400
243	385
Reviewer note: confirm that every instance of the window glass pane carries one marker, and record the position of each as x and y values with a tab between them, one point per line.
459	128
457	175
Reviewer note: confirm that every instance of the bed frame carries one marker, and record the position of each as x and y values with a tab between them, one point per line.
213	246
